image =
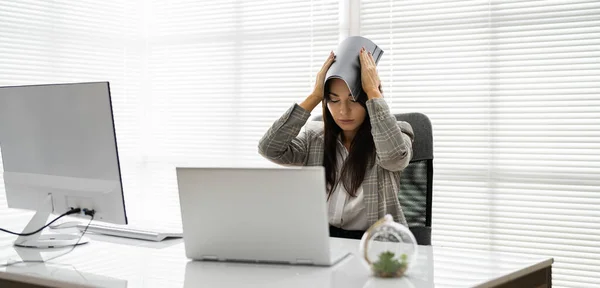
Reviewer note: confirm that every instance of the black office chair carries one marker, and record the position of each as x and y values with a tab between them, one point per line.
416	184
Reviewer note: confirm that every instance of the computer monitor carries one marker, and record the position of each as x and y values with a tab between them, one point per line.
59	151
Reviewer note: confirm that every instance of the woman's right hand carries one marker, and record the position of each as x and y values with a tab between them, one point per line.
318	93
320	82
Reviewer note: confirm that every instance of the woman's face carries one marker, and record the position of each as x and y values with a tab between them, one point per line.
349	115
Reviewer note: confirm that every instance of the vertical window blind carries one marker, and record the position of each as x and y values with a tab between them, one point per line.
77	41
513	92
220	73
194	83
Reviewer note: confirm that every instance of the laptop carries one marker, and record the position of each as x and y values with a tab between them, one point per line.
264	215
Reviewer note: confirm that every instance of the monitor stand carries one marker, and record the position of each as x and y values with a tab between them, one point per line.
38	240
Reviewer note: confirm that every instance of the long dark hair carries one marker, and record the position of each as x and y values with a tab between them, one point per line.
362	150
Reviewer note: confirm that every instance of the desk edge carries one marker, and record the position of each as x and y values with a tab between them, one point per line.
516	274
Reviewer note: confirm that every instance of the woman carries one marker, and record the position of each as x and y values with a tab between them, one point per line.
361	145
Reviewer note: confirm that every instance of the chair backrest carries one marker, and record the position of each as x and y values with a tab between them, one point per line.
416	184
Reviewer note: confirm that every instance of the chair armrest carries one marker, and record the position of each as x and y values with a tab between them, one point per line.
422	234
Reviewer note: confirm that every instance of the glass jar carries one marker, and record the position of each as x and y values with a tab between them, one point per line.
388	248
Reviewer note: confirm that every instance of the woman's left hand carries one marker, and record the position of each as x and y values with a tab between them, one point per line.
368	74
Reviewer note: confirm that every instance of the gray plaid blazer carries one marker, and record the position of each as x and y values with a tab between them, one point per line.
285	144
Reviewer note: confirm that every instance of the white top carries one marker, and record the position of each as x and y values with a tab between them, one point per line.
126	263
346	212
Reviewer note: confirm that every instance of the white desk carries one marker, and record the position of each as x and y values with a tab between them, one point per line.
115	262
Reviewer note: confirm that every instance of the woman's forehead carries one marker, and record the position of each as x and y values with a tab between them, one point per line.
339	87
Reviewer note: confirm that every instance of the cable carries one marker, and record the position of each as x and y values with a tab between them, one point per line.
72	211
90	213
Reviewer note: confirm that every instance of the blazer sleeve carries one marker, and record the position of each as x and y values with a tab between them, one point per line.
283	143
393	139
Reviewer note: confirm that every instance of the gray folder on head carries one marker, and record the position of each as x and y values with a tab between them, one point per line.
347	62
